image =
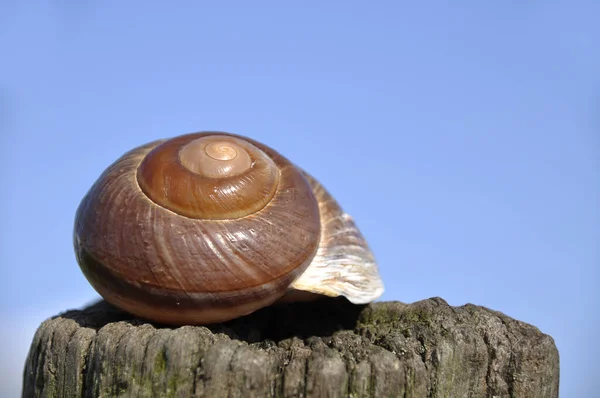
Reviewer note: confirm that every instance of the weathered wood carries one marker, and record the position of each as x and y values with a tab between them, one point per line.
328	348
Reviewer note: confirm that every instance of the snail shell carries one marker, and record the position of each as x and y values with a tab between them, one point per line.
207	227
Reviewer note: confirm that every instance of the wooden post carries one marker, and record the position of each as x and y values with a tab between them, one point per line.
327	348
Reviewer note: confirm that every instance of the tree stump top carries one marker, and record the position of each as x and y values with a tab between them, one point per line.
328	348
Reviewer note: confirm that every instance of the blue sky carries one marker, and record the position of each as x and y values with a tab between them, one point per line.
463	138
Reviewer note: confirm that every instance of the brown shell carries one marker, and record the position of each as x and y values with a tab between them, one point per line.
172	268
164	178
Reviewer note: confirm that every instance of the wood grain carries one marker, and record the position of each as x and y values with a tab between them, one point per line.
327	348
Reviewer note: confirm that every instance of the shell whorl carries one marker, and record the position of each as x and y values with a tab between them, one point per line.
212	263
209	176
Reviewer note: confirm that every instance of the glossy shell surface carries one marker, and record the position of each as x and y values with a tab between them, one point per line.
145	256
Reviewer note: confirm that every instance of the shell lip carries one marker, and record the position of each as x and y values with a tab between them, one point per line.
344	264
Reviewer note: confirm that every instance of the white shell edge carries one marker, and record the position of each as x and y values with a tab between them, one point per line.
343	264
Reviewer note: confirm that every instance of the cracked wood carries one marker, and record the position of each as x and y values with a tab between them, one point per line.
325	349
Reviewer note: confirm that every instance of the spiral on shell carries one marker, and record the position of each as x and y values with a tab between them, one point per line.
207	227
